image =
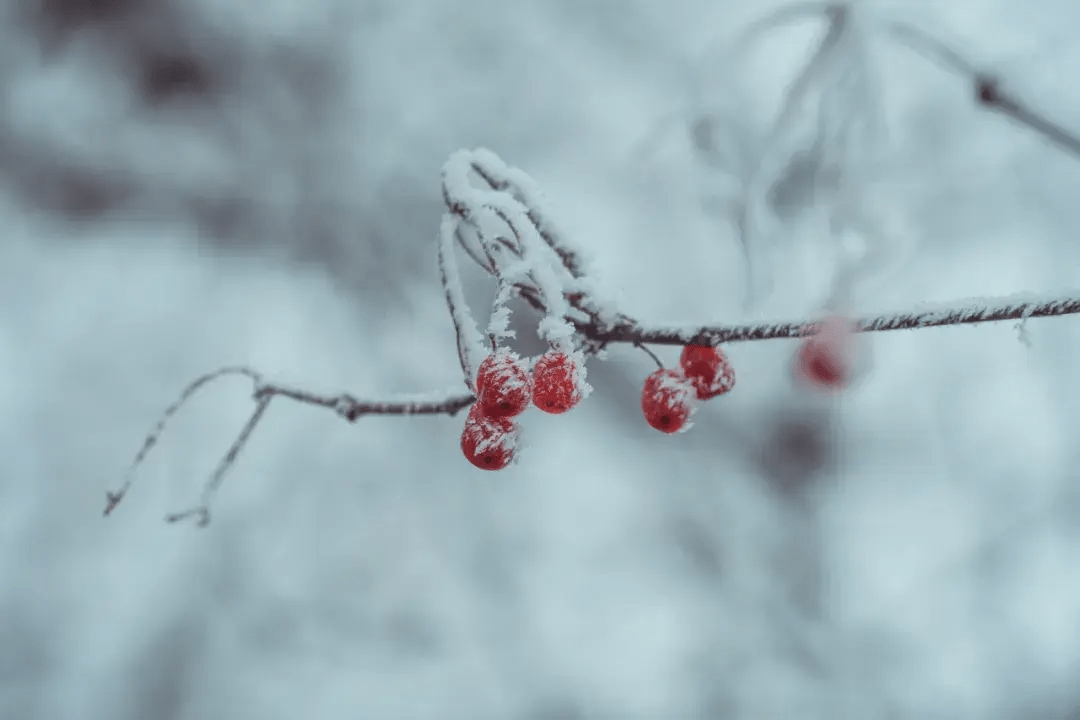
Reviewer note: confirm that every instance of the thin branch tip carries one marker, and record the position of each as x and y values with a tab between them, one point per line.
112	499
203	514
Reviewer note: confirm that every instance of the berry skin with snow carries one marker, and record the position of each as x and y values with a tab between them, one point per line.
825	360
708	369
503	384
489	443
557	383
666	400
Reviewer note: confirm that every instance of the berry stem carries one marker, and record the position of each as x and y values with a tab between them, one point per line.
650	353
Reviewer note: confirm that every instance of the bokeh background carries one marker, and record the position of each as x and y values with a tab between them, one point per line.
186	184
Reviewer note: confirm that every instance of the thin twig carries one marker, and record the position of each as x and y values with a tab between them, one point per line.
986	88
202	510
488	264
114	497
353	409
343	404
569	258
466	334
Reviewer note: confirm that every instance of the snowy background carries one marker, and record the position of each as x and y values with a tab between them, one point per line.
186	184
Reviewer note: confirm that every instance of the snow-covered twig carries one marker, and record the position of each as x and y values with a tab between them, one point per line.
345	405
501	177
561	291
114	497
466	333
961	312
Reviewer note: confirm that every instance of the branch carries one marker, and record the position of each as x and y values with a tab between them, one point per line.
590	324
499	176
962	312
987	89
345	405
466	334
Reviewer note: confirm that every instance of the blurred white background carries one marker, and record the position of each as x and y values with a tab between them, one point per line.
186	184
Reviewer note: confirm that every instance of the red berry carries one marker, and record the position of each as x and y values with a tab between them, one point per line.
557	383
708	369
666	399
503	385
826	358
489	443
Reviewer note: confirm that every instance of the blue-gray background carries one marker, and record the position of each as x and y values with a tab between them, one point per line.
191	183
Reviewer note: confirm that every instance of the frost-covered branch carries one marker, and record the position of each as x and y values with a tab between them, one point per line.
530	259
345	405
466	334
962	312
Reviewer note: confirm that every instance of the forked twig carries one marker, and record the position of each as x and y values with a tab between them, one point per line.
345	405
114	497
202	510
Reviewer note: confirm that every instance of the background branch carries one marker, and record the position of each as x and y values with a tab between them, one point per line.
986	88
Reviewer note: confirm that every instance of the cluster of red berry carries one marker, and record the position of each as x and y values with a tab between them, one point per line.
504	387
668	396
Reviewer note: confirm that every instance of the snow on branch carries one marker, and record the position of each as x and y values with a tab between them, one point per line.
345	405
502	224
543	289
962	312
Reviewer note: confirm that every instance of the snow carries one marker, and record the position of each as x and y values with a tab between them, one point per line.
535	266
470	342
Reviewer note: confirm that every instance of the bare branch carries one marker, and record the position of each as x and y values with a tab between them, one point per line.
987	89
202	510
115	497
989	93
932	49
348	407
345	405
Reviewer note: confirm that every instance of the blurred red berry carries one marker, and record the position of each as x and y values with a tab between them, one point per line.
557	383
503	385
489	443
708	369
826	358
666	400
